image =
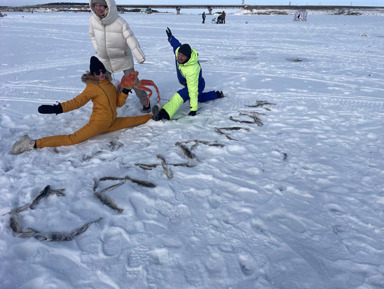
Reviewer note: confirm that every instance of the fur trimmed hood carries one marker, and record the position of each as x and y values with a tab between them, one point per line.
88	77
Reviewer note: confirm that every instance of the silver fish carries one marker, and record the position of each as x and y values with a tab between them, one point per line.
188	165
186	151
218	130
14	224
111	179
44	194
255	118
139	182
111	187
166	169
142	183
60	236
147	167
250	112
208	143
17	230
241	121
261	103
17	210
235	128
108	202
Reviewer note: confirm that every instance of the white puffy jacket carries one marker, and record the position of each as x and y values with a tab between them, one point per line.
113	40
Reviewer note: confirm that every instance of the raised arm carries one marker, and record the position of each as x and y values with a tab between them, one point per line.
172	40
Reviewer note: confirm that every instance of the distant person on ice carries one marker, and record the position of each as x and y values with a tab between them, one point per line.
190	76
114	42
220	19
105	99
203	16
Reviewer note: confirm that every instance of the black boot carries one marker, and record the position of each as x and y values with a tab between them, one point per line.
146	109
163	114
158	113
155	112
219	94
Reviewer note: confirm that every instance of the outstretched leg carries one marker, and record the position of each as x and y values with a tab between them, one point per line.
90	130
173	105
125	122
206	96
86	132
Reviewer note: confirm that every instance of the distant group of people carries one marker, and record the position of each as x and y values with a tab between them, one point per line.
115	45
220	19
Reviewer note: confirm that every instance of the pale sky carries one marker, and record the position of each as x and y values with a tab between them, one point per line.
228	2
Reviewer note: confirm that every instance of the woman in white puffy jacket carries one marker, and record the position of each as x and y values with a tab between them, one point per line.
114	41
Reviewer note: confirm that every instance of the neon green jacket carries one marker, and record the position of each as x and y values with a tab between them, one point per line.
190	71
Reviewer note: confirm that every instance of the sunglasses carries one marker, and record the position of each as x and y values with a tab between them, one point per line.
103	71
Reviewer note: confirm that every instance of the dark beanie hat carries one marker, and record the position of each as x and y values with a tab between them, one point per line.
185	49
95	64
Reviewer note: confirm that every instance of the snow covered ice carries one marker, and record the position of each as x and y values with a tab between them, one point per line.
295	203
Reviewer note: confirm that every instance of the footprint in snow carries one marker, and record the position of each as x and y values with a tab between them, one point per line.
133	275
215	264
194	274
112	243
138	256
174	213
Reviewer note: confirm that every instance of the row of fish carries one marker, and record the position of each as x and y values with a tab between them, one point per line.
252	114
19	231
188	151
185	150
107	200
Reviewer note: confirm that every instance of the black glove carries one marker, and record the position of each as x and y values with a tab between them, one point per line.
169	33
192	113
48	109
126	90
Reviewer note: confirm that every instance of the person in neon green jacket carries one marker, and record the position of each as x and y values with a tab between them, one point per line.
189	73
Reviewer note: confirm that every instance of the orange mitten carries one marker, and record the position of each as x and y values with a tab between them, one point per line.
125	83
129	80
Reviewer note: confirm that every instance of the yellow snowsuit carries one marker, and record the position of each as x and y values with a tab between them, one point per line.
105	99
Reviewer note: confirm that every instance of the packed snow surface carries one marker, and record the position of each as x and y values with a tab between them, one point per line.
292	200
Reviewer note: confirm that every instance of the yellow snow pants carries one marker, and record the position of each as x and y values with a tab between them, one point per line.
91	129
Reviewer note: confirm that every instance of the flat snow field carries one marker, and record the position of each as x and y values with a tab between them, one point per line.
293	198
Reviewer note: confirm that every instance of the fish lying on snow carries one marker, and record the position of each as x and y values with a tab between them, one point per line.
61	236
44	194
186	151
166	169
108	201
219	131
17	229
133	180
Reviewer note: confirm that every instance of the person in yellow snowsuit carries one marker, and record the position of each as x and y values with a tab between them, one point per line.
104	118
